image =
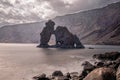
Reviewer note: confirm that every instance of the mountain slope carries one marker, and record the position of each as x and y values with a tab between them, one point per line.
95	26
21	33
98	26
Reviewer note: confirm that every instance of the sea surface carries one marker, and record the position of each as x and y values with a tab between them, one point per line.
23	61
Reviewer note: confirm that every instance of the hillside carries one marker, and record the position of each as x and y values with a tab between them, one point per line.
21	33
98	26
95	26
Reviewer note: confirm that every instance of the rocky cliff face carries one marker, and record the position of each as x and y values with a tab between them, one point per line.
98	26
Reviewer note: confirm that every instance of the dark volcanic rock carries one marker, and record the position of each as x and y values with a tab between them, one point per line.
101	74
41	77
65	39
109	59
107	56
68	75
57	73
77	42
103	70
88	67
46	33
99	64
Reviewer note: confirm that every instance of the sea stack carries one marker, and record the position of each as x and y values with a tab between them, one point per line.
46	33
64	38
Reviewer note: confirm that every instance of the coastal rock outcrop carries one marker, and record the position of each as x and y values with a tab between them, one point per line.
57	73
87	68
64	38
107	56
46	33
105	69
41	77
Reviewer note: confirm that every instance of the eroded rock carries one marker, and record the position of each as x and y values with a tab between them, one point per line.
41	77
46	33
57	73
101	74
65	39
107	56
87	68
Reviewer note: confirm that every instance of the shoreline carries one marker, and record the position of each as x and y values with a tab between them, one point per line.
108	64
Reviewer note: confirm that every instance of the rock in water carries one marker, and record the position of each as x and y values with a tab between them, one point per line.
118	73
88	67
46	33
41	77
107	56
77	42
57	73
101	74
65	39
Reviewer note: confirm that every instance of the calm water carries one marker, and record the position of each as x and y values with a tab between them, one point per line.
23	61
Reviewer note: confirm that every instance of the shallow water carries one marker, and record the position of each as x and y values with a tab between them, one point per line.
23	61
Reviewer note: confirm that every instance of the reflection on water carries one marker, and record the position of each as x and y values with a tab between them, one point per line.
23	61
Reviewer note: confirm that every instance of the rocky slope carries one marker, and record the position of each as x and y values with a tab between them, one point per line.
21	33
98	26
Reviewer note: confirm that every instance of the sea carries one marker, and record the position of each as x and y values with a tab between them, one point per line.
24	61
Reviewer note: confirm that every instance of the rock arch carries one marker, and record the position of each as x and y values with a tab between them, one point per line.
64	38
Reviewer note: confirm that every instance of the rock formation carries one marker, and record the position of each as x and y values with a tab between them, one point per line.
87	68
57	73
64	38
107	56
41	77
46	33
104	70
101	74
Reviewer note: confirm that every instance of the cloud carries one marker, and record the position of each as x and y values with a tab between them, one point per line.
22	11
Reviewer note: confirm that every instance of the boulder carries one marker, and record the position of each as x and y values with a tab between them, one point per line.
101	74
87	68
57	73
68	75
41	77
99	64
118	73
46	33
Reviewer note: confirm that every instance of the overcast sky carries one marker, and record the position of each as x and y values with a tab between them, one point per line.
22	11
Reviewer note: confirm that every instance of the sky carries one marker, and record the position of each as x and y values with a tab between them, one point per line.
24	11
